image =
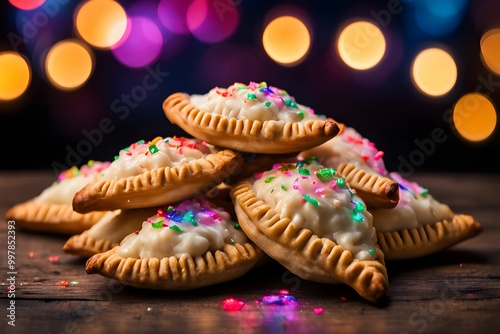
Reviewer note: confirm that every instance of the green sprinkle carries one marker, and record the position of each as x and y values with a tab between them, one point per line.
300	114
358	207
291	104
424	192
189	217
251	96
242	88
269	179
326	174
176	228
272	190
358	218
310	200
371	251
311	160
232	241
341	182
170	208
140	142
303	171
158	224
116	157
236	225
268	104
153	149
283	187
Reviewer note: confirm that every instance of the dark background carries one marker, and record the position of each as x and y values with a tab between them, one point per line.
41	128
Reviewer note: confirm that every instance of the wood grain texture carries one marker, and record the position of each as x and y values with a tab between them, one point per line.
455	291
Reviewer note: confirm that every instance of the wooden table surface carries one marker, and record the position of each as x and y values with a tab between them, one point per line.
455	291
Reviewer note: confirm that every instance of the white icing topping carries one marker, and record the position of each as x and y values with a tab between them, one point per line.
257	102
349	147
192	227
116	225
70	182
320	203
415	208
144	156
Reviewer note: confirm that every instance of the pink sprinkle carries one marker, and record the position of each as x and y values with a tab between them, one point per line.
232	304
53	258
470	294
461	265
318	310
343	298
378	155
31	255
284	292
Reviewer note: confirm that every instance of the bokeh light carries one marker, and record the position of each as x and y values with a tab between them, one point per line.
286	40
69	64
101	23
361	45
439	18
474	117
172	14
27	4
141	45
434	72
15	75
490	50
213	21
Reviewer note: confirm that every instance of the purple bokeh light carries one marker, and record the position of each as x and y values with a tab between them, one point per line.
172	15
141	44
212	23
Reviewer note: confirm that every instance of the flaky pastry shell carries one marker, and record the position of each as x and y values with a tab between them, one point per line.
172	273
51	218
304	253
245	135
159	186
376	191
428	239
85	246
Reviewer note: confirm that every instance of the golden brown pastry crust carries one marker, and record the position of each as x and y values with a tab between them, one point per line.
174	273
51	218
428	239
303	253
276	137
159	186
86	246
376	191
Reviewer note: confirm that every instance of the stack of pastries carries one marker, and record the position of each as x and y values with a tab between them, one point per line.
261	177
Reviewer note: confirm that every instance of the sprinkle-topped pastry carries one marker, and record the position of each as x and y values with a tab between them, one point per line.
51	211
419	225
250	118
306	217
186	245
108	232
361	163
157	172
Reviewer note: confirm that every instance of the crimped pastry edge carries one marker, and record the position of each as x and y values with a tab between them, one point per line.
303	253
246	135
172	273
159	186
428	239
377	191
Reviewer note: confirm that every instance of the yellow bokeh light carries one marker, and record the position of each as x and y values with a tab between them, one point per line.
286	40
434	72
101	23
490	50
361	45
69	64
15	75
474	117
